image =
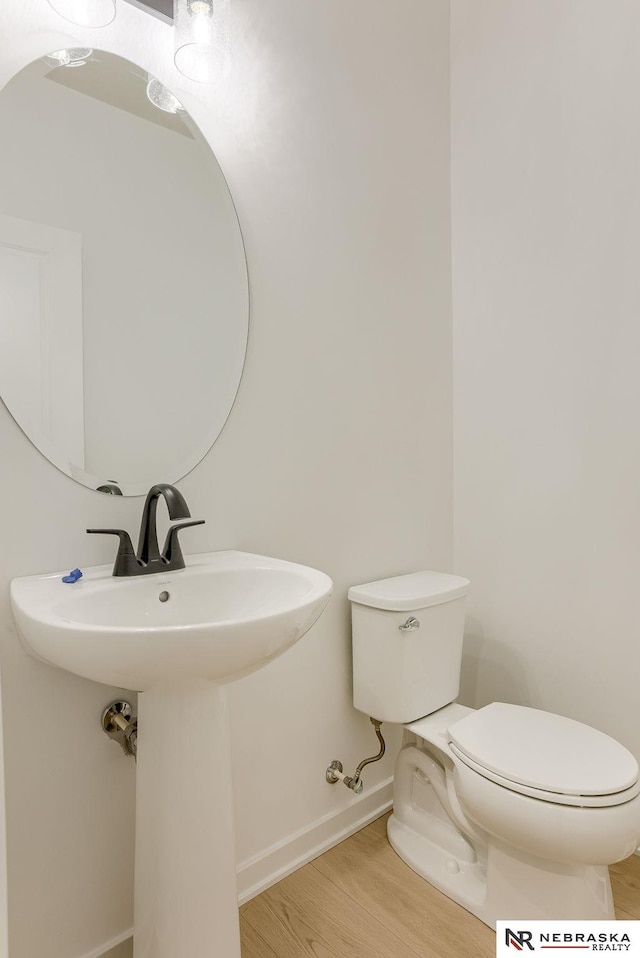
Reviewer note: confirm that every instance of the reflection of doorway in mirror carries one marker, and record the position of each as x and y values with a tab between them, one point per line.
41	369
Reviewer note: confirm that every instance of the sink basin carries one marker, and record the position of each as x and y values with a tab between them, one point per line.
177	638
223	616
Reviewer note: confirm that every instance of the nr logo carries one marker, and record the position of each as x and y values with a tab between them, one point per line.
518	939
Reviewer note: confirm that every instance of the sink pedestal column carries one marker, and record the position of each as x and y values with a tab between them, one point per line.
185	871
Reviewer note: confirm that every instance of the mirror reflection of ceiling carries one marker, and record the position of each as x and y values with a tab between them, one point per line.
104	78
123	285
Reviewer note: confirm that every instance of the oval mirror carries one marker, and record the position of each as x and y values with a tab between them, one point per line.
124	299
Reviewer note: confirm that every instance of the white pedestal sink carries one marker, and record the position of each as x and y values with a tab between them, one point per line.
177	638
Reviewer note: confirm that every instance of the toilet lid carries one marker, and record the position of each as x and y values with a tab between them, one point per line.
546	752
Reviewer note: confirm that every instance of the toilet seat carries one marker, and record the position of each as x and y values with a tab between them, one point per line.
545	756
583	801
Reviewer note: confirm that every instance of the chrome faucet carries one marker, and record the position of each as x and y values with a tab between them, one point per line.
149	559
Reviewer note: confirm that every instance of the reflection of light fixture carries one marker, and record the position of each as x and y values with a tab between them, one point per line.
202	38
75	57
163	98
86	13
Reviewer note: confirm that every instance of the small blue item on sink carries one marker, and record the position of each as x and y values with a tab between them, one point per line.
73	576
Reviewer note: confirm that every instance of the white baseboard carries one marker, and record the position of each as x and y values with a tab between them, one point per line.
102	951
259	873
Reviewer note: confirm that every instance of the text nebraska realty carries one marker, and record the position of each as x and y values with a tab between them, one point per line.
598	941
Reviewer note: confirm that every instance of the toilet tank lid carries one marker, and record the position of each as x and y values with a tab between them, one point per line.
407	593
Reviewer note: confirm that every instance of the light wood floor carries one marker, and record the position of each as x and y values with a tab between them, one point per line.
359	900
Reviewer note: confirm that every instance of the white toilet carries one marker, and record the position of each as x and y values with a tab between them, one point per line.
510	811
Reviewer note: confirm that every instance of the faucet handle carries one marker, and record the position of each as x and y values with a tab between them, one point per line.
172	553
126	545
126	555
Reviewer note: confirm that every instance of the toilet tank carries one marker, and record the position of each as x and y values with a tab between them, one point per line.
404	669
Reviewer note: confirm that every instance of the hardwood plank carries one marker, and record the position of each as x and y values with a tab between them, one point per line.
307	915
622	915
366	868
253	944
625	883
361	900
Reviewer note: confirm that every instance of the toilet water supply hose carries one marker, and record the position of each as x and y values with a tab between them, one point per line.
335	774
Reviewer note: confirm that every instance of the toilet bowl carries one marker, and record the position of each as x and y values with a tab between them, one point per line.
511	811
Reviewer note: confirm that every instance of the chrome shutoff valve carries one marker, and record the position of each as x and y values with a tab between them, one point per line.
334	775
118	724
335	772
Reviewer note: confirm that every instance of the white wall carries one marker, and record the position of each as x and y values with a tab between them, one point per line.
546	207
333	135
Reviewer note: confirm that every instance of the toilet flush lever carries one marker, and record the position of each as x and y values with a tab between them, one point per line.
410	625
